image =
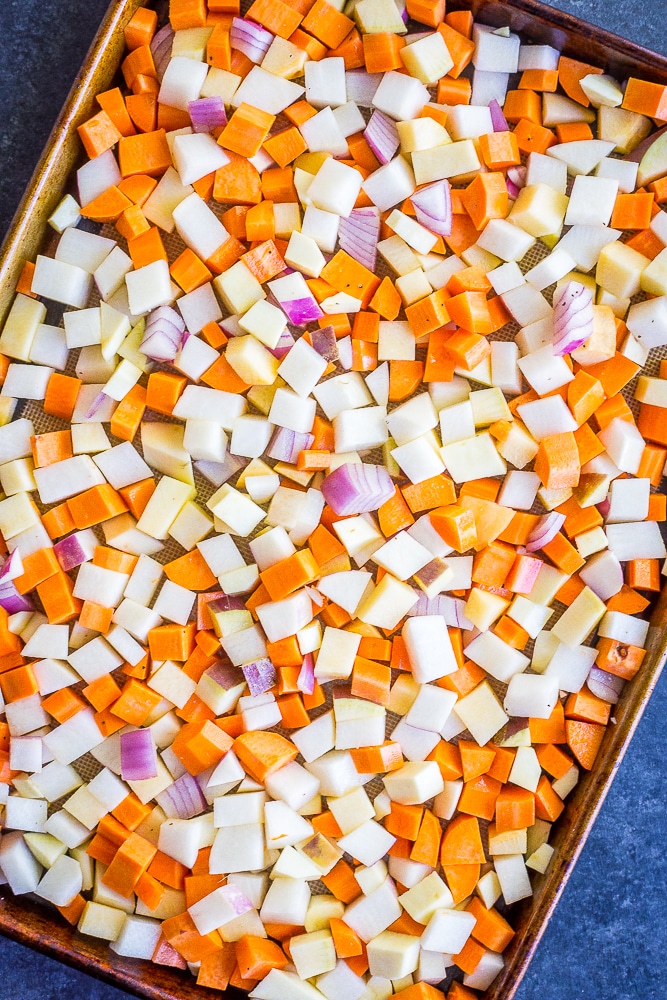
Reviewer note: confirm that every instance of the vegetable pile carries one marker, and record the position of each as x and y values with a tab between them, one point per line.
289	558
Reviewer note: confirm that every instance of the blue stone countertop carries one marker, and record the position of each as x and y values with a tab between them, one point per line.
608	938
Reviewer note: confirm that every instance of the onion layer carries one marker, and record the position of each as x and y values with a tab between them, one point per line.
573	317
433	207
356	489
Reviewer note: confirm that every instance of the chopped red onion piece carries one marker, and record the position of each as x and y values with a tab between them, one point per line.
183	799
604	685
11	567
545	530
450	608
498	120
10	599
433	207
161	49
382	136
512	189
302	311
164	335
260	674
165	312
285	344
207	114
573	317
517	175
218	473
237	899
70	553
355	488
250	39
306	679
138	759
358	235
604	506
96	405
285	445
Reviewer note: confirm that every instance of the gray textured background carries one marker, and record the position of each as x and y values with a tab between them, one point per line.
608	939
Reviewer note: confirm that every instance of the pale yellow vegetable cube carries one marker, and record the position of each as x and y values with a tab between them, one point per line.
17	514
427	896
539	859
601	345
413	286
654	277
387	603
392	955
482	713
427	59
483	608
265	322
164	506
625	129
373	16
191	43
284	59
456	159
251	361
101	921
539	210
164	451
421	133
21	326
320	911
580	618
507	842
619	269
238	288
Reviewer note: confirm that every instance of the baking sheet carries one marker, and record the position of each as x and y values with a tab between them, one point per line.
544	25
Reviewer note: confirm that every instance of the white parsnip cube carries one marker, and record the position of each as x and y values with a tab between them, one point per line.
448	931
61	282
335	188
149	287
591	201
414	783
